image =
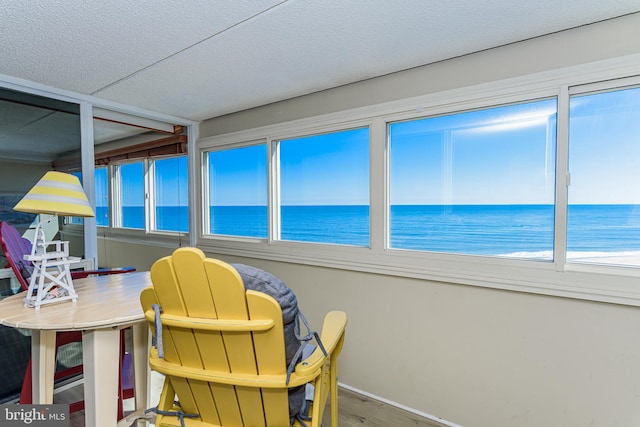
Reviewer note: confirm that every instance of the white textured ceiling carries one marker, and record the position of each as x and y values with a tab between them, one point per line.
198	59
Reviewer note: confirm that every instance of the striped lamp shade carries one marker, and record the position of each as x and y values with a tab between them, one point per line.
56	193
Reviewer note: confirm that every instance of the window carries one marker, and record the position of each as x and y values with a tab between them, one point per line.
324	188
171	206
321	189
132	195
102	196
237	196
479	182
603	221
525	187
76	220
165	186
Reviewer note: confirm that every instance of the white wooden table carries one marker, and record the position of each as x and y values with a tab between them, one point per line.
105	305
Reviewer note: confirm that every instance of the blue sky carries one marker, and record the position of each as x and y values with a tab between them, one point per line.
323	169
171	182
498	156
238	176
604	156
503	155
132	175
330	169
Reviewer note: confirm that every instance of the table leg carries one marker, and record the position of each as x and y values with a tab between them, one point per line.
141	364
100	357
43	365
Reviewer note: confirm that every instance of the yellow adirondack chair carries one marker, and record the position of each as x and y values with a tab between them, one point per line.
224	353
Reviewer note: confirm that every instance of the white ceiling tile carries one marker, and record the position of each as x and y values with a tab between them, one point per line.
203	58
306	46
85	46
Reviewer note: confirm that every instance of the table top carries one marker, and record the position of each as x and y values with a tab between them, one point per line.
103	301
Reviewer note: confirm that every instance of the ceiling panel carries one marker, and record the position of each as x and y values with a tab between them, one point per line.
204	58
85	46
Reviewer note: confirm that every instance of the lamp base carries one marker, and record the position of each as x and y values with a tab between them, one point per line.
51	279
35	302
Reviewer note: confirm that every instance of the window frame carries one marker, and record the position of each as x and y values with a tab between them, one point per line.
151	192
109	193
557	278
117	194
590	88
273	200
205	222
276	162
439	114
115	228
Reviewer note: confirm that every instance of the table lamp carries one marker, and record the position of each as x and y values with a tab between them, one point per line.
56	193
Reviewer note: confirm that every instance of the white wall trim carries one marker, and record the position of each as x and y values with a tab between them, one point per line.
34	88
88	179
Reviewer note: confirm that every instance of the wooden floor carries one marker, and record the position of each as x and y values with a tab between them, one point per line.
355	410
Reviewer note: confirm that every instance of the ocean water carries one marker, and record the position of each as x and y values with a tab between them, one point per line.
473	229
503	230
168	218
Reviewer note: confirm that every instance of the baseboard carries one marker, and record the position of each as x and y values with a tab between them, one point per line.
429	417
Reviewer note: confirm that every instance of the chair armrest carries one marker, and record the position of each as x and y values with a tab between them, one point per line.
81	274
335	323
220	325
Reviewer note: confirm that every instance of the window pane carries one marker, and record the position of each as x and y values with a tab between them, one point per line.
132	182
102	196
172	212
238	192
479	182
324	188
603	224
76	219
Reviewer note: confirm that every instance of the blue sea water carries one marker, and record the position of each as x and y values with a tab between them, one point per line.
473	229
506	230
168	218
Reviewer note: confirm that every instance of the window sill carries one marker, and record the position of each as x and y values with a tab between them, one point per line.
610	284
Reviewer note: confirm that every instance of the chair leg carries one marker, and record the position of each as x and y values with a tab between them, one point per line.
26	393
120	394
76	406
333	390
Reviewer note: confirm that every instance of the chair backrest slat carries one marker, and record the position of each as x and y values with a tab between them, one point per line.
15	247
270	354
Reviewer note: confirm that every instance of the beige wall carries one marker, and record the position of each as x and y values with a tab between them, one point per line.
473	356
477	357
